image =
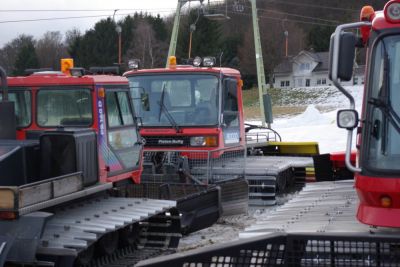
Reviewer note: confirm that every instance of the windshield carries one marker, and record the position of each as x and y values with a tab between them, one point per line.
382	121
175	100
69	107
22	104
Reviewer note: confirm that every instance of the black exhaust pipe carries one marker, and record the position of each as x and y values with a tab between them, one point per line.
8	123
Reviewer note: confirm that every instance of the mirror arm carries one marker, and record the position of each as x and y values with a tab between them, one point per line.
336	82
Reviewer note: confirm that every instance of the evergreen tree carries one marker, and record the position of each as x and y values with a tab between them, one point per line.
26	57
159	27
319	38
230	49
206	39
99	46
73	42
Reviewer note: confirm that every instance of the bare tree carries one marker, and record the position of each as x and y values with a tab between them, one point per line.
71	36
50	49
146	47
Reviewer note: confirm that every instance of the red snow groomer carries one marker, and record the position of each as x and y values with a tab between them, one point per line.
377	172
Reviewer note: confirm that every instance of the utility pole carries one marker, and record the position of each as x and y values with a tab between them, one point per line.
260	65
286	43
175	30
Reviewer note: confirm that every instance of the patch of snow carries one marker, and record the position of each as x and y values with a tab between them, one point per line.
314	126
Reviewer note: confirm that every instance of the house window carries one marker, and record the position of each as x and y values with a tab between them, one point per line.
282	83
323	81
287	83
319	82
304	66
355	80
308	82
362	80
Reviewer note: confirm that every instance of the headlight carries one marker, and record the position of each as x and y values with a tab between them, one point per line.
205	141
6	199
347	118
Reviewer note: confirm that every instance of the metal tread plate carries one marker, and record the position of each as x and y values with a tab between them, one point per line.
77	227
319	207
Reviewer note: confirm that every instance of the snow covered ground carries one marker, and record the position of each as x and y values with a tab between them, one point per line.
312	125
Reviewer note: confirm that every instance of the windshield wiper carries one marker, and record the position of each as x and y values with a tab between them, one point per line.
382	102
165	109
388	111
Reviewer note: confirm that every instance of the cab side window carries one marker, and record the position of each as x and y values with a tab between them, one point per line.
118	109
231	103
122	133
22	105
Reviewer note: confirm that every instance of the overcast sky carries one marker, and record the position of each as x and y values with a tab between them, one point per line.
14	10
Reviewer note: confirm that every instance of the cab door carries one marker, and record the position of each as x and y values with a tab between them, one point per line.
122	148
231	119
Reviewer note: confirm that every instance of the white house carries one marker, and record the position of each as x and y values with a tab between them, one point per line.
309	69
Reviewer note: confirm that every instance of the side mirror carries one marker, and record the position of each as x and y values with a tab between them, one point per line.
347	119
346	55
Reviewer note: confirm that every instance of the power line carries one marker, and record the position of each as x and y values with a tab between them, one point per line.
333	22
311	5
160	10
296	15
284	19
62	18
280	2
79	10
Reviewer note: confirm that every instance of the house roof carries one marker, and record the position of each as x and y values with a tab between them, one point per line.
285	66
321	57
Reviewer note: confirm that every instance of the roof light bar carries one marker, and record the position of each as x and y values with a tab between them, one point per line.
367	13
209	62
77	72
197	61
172	62
134	64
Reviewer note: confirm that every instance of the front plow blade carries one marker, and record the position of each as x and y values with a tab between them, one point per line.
234	196
199	205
